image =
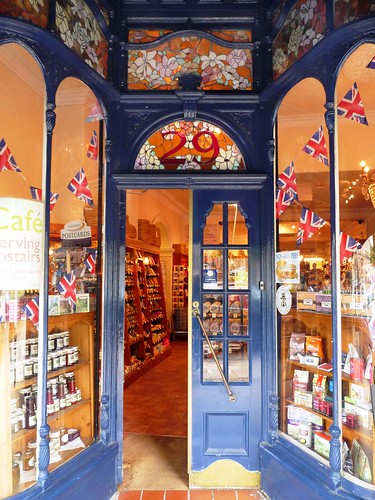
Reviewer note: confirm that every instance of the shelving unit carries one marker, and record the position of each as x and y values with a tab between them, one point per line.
146	325
310	323
78	415
180	290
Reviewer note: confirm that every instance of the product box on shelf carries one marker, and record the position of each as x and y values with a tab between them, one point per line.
306	301
357	305
303	398
364	413
321	443
324	302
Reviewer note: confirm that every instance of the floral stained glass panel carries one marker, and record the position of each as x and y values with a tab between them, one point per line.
79	30
35	11
347	11
159	67
303	28
187	145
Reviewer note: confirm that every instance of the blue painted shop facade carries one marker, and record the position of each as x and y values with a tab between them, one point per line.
257	436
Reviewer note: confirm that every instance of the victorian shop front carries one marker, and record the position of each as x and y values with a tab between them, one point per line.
202	167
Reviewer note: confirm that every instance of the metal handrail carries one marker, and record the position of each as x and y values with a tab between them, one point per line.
231	395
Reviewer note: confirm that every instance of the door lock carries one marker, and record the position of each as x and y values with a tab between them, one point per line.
196	304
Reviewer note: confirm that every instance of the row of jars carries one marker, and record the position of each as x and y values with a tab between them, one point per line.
61	393
28	368
24	349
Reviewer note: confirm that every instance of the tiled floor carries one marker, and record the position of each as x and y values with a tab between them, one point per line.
156	404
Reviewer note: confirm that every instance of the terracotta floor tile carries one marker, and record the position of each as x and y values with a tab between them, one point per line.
200	495
152	495
176	495
224	495
129	495
247	494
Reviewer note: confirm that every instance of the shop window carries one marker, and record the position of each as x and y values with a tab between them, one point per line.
303	268
356	161
191	146
158	58
225	297
21	262
74	265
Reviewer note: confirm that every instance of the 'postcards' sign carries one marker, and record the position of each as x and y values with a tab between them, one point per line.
76	234
21	249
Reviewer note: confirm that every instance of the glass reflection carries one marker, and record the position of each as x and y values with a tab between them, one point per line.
238	273
238	361
238	314
213	230
237	230
212	269
210	370
213	313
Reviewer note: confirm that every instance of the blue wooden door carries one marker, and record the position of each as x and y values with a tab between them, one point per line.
227	305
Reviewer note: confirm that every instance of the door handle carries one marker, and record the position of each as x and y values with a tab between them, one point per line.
197	314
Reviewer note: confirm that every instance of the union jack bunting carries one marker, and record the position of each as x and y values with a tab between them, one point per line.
7	161
32	310
316	147
309	223
287	181
90	262
36	194
80	187
92	150
67	288
371	64
283	201
348	246
351	106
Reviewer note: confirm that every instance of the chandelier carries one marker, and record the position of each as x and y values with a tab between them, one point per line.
368	184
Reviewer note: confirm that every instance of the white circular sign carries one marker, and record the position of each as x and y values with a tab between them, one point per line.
283	300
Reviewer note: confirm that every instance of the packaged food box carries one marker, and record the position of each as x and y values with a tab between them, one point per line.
324	302
303	398
357	305
296	346
321	443
306	301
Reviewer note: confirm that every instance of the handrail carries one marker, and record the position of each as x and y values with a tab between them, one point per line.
231	395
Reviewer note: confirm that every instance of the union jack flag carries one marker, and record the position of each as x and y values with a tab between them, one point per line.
348	246
90	262
7	161
371	64
287	181
92	150
80	187
36	194
32	310
309	223
351	106
316	147
67	288
283	201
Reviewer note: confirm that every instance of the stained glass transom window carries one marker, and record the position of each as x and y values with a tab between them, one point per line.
224	62
186	145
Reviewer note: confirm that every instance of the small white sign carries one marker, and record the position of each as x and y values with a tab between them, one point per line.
76	233
283	300
21	240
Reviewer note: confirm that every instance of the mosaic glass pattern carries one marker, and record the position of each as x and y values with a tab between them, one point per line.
347	11
34	11
303	28
80	31
187	145
159	67
146	36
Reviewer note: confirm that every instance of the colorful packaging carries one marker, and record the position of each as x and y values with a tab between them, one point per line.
314	346
296	346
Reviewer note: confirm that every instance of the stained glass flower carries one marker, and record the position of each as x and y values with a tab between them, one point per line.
226	160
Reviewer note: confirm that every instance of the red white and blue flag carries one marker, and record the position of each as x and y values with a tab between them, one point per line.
316	147
348	246
371	64
351	106
287	181
283	201
32	310
92	150
7	161
309	224
36	194
90	262
67	288
80	187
